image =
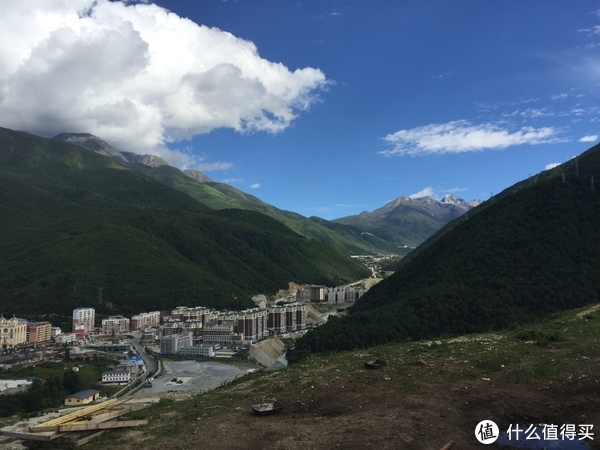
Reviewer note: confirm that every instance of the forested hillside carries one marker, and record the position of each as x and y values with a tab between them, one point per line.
529	252
77	228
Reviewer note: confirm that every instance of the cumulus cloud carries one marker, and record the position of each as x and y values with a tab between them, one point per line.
255	185
462	136
427	192
138	75
551	166
589	138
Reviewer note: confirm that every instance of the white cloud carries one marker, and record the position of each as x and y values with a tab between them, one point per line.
454	190
427	192
232	180
438	77
530	113
462	136
255	185
486	107
558	96
551	166
589	138
138	75
207	167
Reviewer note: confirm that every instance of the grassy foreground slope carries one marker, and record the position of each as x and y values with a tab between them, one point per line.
430	393
77	228
533	251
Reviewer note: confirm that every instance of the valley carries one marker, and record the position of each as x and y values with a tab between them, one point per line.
507	272
300	225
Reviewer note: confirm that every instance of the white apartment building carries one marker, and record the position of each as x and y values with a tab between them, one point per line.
85	317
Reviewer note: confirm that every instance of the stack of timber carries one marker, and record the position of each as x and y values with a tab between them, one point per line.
74	429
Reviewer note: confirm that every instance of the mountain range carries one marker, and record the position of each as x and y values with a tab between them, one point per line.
526	253
124	232
407	222
77	228
396	228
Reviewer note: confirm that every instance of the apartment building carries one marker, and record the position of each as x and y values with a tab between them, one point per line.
219	331
39	332
145	319
251	324
83	319
115	325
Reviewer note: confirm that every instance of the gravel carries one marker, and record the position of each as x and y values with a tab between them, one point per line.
194	376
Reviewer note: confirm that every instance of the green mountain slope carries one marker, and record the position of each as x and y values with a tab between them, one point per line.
220	196
532	251
77	228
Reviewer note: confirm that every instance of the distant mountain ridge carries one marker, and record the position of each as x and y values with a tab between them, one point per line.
396	228
448	208
408	221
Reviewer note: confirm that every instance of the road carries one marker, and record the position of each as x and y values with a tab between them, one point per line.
149	361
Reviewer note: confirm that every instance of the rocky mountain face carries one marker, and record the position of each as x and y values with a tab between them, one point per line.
442	211
197	175
454	200
147	160
406	221
95	144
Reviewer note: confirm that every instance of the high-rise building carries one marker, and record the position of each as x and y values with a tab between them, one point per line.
85	317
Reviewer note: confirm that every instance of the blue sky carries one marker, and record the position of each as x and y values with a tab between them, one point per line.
326	108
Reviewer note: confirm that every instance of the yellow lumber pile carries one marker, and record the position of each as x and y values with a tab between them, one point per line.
74	429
